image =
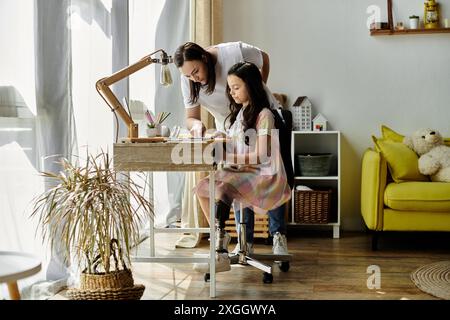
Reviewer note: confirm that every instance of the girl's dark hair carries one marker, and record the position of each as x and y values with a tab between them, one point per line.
191	51
258	100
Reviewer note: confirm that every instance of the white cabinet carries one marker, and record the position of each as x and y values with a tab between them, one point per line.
313	142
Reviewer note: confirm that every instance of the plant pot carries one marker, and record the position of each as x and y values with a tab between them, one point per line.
111	280
116	285
152	132
130	293
414	23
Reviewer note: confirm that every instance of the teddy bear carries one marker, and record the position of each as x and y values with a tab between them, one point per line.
434	155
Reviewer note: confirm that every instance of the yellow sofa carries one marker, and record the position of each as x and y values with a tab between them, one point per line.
402	205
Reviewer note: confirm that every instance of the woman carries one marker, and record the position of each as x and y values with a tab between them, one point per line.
203	82
255	177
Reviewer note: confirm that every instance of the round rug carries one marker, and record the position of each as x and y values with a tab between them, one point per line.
434	279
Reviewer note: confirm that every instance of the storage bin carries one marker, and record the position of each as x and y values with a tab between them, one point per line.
312	206
314	164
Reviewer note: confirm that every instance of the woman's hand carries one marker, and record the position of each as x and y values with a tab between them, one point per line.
197	130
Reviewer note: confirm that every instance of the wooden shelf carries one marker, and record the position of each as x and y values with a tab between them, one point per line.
388	32
319	142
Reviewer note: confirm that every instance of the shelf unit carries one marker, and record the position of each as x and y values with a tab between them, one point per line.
391	31
319	142
388	32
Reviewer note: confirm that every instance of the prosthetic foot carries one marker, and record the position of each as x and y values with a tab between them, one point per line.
222	241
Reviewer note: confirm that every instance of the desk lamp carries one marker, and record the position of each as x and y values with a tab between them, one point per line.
111	100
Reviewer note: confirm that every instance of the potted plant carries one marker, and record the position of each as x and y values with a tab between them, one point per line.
151	130
96	216
413	22
155	124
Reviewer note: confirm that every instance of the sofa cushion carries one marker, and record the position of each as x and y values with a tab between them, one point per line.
403	163
389	134
418	196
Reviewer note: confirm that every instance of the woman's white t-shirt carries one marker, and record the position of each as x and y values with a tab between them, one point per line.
228	54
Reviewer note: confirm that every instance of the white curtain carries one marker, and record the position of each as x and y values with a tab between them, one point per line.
55	49
36	116
165	25
92	59
53	52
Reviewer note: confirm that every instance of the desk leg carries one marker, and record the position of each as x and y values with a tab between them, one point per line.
212	235
13	290
152	237
152	219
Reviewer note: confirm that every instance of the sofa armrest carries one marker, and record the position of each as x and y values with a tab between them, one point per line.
373	184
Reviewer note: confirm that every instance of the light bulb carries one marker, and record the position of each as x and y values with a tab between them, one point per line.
165	77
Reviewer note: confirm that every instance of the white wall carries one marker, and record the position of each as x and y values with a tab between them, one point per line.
322	49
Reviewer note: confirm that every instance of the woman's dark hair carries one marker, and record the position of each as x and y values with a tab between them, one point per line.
258	100
191	51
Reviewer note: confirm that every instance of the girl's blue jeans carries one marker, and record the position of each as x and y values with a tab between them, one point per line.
276	221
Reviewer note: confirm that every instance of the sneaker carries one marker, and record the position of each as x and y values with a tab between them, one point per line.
279	244
238	248
222	264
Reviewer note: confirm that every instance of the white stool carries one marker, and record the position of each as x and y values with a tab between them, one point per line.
15	266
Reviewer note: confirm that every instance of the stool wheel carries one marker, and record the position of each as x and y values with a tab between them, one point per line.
207	277
267	277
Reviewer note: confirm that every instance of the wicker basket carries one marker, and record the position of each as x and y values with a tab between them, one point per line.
312	206
112	280
131	293
115	285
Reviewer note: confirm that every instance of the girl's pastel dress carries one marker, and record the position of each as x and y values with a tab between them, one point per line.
262	187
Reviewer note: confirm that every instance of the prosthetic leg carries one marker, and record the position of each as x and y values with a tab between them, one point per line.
222	241
223	238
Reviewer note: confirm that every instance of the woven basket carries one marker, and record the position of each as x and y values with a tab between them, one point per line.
131	293
312	206
112	280
115	285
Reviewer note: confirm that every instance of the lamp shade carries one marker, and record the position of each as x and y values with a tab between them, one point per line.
166	77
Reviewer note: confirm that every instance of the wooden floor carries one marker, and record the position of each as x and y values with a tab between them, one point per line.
322	269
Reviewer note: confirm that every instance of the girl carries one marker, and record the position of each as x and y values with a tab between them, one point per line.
204	82
256	178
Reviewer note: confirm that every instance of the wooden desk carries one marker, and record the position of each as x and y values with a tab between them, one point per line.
173	156
15	266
